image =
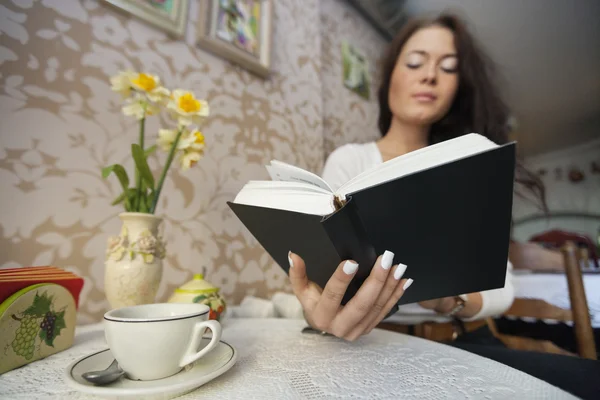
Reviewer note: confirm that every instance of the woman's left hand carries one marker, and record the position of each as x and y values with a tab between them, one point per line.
442	305
445	304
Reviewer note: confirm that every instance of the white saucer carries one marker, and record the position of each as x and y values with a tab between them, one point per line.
215	363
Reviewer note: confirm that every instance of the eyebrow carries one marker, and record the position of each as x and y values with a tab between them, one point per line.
424	53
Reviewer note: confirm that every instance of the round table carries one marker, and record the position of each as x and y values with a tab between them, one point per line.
277	361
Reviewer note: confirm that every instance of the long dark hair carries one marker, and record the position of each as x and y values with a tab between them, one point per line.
477	106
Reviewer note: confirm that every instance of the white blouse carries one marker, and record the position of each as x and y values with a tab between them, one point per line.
350	160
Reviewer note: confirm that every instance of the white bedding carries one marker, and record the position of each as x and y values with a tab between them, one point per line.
553	289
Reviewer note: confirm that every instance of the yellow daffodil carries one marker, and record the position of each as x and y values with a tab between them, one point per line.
166	137
144	96
140	108
198	143
150	85
159	95
145	82
189	158
192	145
121	83
191	140
187	108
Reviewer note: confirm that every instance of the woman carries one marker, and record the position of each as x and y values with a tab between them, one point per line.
436	85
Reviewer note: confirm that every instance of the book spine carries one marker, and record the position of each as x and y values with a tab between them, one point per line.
349	238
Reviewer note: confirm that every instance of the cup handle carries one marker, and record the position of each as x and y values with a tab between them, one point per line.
191	354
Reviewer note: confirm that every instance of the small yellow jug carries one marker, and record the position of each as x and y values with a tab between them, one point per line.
200	291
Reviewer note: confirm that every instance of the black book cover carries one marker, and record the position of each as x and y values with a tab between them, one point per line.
449	224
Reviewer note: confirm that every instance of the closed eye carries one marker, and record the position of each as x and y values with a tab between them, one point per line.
449	64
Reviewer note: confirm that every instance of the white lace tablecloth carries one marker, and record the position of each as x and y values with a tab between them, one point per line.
277	361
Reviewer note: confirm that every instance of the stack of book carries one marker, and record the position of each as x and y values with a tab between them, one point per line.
38	307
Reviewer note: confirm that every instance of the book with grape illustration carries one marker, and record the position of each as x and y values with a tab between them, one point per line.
39	318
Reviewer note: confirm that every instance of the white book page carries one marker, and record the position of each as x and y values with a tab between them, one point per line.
425	158
296	189
291	200
280	171
269	186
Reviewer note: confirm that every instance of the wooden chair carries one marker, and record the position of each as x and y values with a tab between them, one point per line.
540	310
557	238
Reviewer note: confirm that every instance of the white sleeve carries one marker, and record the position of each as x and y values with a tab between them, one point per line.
339	167
497	301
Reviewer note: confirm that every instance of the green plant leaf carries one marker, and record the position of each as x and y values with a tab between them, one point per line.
40	306
143	204
128	205
149	151
122	197
130	200
142	165
119	199
149	199
119	171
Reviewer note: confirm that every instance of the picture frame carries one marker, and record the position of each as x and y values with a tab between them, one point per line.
239	31
355	70
168	15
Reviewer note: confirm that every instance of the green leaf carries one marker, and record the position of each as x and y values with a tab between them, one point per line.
40	306
45	338
149	199
119	199
130	200
59	324
130	192
199	298
149	151
143	203
142	165
119	171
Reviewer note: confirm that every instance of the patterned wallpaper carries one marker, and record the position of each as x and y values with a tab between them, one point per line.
61	124
347	117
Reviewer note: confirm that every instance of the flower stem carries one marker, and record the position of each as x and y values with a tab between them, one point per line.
165	169
138	176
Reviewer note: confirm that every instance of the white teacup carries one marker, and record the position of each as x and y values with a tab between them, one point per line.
154	341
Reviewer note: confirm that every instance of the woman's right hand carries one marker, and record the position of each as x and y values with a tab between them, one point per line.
373	301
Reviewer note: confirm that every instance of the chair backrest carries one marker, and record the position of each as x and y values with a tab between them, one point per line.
557	239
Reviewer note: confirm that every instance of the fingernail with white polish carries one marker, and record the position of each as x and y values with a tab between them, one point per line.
350	267
290	259
400	270
407	284
387	259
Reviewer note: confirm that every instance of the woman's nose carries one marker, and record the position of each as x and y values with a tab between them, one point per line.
429	74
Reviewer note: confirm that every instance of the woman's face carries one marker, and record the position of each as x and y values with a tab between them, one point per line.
425	78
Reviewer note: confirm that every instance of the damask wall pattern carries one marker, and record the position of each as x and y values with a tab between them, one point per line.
60	124
347	117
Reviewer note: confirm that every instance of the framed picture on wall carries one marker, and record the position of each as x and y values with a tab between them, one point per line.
355	70
168	15
239	31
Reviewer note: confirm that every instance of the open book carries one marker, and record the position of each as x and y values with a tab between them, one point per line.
295	189
444	210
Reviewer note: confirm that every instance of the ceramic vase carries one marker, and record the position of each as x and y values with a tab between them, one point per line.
133	267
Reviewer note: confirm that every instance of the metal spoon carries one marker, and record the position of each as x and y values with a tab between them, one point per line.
110	374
